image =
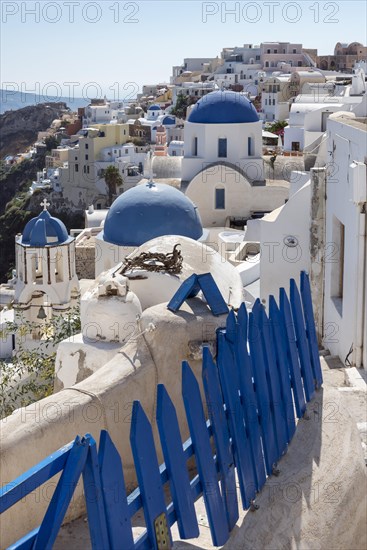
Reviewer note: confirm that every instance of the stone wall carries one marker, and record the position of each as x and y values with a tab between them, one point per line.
85	260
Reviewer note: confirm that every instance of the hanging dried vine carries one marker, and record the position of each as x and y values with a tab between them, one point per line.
155	261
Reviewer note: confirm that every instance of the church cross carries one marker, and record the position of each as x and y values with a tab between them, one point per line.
45	204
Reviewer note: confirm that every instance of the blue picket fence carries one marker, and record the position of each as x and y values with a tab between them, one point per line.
267	369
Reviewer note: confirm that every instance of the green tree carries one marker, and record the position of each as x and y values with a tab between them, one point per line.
51	142
179	109
113	180
277	127
30	374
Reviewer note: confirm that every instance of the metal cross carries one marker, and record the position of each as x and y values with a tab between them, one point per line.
45	204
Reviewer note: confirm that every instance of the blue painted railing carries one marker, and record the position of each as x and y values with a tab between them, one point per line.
267	368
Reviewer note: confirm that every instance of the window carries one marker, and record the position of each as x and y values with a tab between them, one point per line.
220	199
99	206
337	267
295	145
273	101
250	147
77	168
267	51
173	153
266	101
275	51
126	151
195	147
222	147
86	157
86	146
294	51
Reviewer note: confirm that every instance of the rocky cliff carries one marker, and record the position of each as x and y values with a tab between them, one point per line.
19	129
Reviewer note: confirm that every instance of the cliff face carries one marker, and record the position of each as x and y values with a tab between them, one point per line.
19	129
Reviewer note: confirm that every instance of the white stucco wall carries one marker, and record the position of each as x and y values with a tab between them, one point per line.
108	255
344	187
278	262
293	133
241	198
237	195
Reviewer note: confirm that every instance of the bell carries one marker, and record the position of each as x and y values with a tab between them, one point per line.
41	313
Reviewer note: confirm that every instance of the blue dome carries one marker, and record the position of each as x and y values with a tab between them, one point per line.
168	119
154	108
44	230
148	211
223	107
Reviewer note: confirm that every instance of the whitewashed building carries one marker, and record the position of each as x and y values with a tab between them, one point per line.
309	112
322	229
46	285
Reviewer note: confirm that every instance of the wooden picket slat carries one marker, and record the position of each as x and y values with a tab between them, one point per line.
249	398
175	462
214	400
147	471
203	456
114	495
212	294
62	495
292	353
94	498
262	393
302	344
280	421
26	542
188	289
230	384
282	366
12	492
310	328
242	320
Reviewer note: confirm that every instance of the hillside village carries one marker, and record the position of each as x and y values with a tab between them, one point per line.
250	167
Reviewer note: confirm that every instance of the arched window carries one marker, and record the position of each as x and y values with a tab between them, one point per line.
222	147
220	199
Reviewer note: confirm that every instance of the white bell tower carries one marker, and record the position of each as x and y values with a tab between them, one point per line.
46	282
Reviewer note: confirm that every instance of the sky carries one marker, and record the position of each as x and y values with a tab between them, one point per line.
89	49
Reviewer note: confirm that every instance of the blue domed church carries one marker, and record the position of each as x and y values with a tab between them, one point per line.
141	214
222	155
46	285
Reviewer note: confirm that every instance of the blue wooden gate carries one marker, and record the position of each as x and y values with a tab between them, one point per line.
267	368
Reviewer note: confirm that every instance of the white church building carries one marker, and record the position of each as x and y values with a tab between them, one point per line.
222	166
46	284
